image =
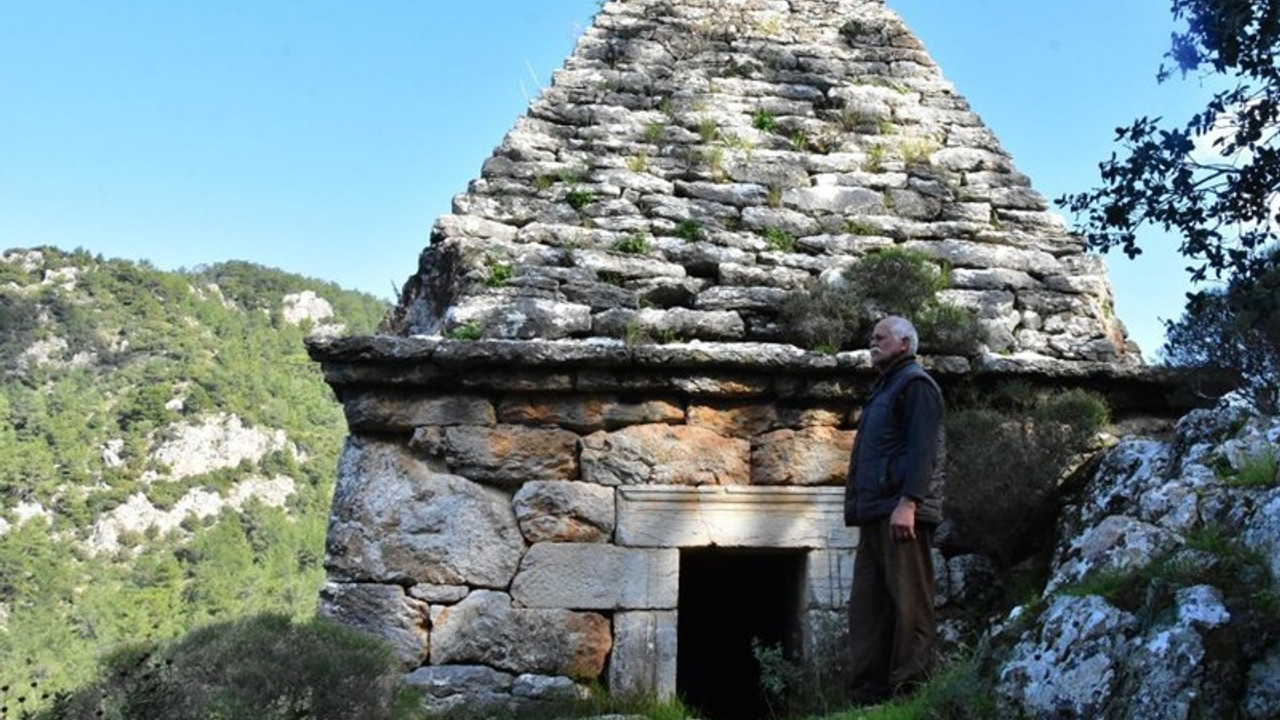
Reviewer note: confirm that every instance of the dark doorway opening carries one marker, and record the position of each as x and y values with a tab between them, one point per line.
727	598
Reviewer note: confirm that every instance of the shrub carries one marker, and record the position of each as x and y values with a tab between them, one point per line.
264	667
890	282
779	239
1005	460
1215	338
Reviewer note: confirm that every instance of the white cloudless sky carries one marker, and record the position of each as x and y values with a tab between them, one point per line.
324	137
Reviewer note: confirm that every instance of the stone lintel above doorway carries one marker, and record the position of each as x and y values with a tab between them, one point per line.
733	516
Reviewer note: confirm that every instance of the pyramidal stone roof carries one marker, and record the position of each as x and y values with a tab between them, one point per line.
696	161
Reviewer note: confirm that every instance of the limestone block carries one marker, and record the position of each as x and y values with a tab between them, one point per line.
548	688
383	611
810	456
447	594
394	520
1117	544
597	577
588	413
643	662
446	680
504	455
485	628
664	454
733	516
380	410
556	511
829	577
678	322
735	420
523	318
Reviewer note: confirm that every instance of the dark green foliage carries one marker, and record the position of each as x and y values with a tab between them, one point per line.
1216	335
264	667
840	315
579	199
689	230
155	349
1006	456
1212	182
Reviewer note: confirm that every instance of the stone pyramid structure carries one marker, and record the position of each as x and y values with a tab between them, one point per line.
694	162
534	499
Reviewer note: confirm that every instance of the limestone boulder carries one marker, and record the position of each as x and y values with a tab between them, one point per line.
665	455
568	512
503	455
487	629
383	611
394	520
810	456
597	577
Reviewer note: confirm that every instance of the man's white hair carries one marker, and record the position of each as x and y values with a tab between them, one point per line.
903	330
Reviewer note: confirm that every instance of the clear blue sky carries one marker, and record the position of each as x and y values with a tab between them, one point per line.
324	137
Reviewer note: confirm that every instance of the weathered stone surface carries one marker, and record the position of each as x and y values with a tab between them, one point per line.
395	521
485	628
1188	647
589	413
1072	666
666	455
383	611
643	662
810	456
784	517
383	410
547	688
597	577
740	420
504	455
571	512
829	574
449	689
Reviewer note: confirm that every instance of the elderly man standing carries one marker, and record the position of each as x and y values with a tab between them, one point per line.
893	495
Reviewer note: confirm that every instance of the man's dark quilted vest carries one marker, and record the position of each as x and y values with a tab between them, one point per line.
871	492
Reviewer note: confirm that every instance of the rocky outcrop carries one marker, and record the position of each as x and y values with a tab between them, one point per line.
1161	604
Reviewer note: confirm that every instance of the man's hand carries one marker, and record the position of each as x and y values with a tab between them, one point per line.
902	523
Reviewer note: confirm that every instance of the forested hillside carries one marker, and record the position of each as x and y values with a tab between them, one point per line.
167	452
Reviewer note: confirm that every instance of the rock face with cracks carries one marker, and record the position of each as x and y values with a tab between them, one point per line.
1161	600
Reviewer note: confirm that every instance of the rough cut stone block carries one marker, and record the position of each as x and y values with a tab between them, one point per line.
664	454
383	611
505	455
447	680
588	414
829	576
811	456
486	629
394	521
643	662
784	517
597	577
382	410
565	512
735	420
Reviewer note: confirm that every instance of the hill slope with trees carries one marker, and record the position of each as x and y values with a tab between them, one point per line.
167	452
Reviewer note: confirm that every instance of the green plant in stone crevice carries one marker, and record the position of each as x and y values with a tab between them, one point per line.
653	132
875	158
918	150
633	244
579	198
466	331
499	274
764	121
638	163
708	130
858	227
690	230
779	239
1257	470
